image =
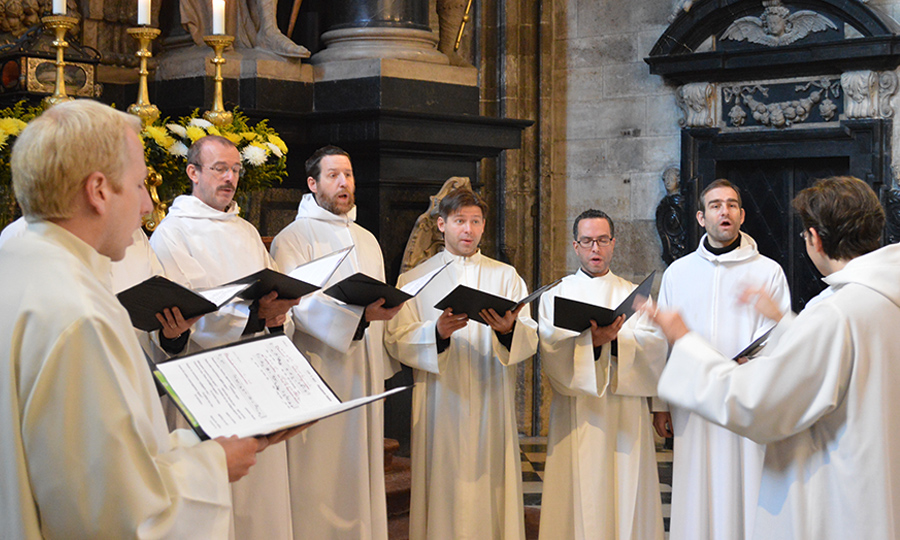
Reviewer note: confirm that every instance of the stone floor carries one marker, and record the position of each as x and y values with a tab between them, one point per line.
534	454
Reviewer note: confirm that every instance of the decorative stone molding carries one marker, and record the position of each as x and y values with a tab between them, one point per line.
810	97
698	103
777	26
671	220
868	93
892	215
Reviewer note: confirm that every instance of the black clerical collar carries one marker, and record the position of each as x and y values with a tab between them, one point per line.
722	250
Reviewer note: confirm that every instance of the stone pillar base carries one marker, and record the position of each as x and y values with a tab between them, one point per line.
379	42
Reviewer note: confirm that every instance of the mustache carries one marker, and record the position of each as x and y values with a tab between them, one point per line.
225	186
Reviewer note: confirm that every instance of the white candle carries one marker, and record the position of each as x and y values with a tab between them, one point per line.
143	12
59	7
218	17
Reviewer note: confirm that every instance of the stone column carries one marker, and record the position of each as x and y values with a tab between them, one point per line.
361	29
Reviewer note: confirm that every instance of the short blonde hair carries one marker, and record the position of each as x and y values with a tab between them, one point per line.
58	150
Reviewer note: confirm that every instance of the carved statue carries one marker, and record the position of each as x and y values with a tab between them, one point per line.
425	239
450	16
777	26
17	16
697	102
681	5
251	22
671	221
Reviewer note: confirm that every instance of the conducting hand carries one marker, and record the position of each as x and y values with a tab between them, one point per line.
670	322
762	301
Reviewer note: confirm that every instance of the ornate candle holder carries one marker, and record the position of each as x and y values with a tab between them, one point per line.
142	108
218	116
60	24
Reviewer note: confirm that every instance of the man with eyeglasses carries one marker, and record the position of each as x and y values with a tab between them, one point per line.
203	242
601	478
337	469
716	473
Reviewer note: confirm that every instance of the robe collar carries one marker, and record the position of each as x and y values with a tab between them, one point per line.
747	250
581	273
474	259
99	265
877	270
310	209
191	207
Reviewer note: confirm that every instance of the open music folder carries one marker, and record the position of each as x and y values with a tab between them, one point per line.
144	300
361	290
471	301
577	316
254	387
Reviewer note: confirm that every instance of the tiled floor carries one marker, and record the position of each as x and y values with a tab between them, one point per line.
534	453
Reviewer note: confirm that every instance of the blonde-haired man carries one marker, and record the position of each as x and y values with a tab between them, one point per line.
86	452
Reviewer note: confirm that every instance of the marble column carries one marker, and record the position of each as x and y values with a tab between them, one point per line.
364	29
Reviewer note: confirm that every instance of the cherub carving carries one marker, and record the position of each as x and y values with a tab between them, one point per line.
425	239
777	26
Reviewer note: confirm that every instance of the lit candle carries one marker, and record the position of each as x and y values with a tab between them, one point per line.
218	17
59	7
143	12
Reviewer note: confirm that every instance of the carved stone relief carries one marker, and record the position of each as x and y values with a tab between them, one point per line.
752	101
697	101
671	221
868	93
426	240
777	26
892	215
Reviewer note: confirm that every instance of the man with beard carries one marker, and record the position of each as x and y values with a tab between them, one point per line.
601	478
337	468
822	394
203	242
716	473
466	475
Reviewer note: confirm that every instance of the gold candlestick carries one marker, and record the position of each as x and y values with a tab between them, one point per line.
142	108
60	24
153	181
218	116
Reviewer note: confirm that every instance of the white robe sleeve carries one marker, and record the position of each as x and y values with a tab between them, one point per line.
641	358
412	341
525	335
774	395
86	420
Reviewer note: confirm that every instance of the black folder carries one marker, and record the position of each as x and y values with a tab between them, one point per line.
577	316
471	301
268	280
753	349
144	300
361	290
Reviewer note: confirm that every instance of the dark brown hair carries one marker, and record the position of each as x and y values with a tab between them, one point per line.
461	198
845	212
312	164
593	214
720	183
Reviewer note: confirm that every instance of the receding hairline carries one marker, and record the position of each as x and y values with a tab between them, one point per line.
736	198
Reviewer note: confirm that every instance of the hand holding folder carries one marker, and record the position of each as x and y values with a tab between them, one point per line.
471	301
577	316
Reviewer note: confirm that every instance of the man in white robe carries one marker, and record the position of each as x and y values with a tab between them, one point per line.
337	467
86	452
601	480
203	242
715	473
822	395
466	475
138	264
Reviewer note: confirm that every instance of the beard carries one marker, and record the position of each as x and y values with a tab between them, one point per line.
334	205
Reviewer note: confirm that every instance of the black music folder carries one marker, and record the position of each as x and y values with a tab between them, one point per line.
577	316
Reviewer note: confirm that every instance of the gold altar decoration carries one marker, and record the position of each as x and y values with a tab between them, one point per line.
218	116
142	108
60	24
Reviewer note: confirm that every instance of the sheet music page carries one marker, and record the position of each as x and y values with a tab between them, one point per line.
252	388
319	271
415	286
221	295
